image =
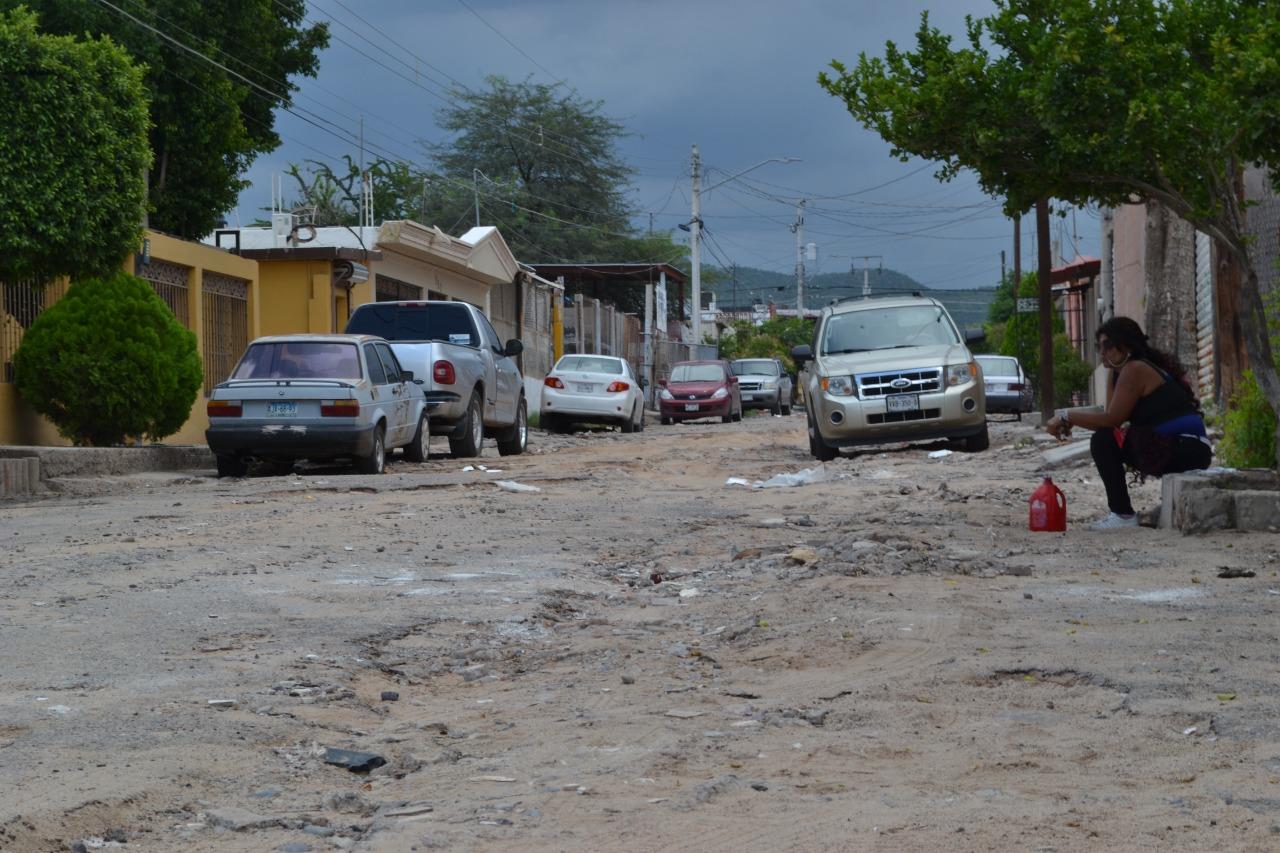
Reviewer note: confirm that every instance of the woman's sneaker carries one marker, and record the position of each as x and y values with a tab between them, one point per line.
1114	521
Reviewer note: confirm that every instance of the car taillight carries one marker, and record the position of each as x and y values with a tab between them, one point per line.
224	409
615	387
1017	386
339	408
443	373
553	382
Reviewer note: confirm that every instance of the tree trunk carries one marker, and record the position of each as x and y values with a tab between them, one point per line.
1257	340
1170	272
1230	357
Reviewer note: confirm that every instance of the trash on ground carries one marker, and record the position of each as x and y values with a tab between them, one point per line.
1226	697
469	468
513	486
940	454
681	714
356	762
804	556
737	481
390	696
221	704
1190	730
804	477
1228	572
689	592
491	779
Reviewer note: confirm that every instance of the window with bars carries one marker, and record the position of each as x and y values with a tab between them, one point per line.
171	283
225	301
20	303
388	289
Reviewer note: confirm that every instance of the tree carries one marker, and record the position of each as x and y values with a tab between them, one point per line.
1106	101
108	361
207	124
72	155
771	339
545	165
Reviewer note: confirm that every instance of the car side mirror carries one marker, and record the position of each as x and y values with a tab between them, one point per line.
974	337
662	383
802	353
514	348
406	376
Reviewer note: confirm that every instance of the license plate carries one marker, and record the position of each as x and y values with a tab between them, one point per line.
992	388
691	407
582	388
902	403
282	410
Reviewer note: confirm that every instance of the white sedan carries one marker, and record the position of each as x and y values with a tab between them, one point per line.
592	388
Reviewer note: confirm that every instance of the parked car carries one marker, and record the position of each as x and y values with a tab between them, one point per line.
764	384
595	388
700	389
317	397
1007	388
472	382
886	369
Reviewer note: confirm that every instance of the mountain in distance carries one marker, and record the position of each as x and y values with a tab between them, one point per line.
967	307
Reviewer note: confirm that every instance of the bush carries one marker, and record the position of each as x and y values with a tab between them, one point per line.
107	361
1249	428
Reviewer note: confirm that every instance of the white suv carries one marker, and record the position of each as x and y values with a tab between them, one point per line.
887	369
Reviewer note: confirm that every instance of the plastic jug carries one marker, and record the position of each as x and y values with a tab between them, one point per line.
1048	508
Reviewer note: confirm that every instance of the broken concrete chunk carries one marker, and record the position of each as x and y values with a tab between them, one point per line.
239	820
356	762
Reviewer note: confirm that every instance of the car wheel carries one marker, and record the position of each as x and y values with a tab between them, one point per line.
738	416
376	461
817	447
515	439
629	422
641	427
231	466
978	442
469	438
1019	414
727	417
664	420
418	449
776	409
786	410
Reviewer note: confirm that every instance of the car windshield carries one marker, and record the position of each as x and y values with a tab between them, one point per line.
697	373
999	366
448	323
589	364
299	360
757	366
887	328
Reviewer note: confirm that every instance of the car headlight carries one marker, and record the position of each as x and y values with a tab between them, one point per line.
720	393
959	374
838	386
769	384
665	394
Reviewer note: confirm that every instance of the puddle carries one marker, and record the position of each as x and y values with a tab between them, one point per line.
375	580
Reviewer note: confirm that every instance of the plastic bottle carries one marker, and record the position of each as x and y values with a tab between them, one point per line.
1048	508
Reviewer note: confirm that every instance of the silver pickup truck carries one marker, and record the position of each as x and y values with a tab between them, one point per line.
472	382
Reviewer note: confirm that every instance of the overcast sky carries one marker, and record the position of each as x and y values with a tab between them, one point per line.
737	78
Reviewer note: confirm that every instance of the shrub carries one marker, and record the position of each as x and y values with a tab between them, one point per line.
107	361
1249	428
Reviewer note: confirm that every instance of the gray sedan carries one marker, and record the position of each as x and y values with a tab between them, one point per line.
317	397
1008	388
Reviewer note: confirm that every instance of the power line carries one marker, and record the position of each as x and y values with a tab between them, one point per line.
503	36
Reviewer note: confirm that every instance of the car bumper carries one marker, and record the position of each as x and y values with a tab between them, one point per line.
760	399
679	410
291	441
1008	401
848	421
612	407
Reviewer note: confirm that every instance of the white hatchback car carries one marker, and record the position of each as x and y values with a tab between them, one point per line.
592	388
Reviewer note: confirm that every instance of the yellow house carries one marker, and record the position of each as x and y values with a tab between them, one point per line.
213	293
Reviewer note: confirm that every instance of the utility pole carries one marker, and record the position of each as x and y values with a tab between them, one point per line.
1017	254
1002	273
1045	262
735	287
695	244
475	191
798	229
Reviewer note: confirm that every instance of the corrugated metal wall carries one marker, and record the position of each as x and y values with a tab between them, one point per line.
1205	367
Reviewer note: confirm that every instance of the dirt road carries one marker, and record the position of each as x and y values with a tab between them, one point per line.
885	660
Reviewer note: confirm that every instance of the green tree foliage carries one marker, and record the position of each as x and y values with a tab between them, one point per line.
1249	428
109	361
771	339
1106	101
208	125
72	154
551	176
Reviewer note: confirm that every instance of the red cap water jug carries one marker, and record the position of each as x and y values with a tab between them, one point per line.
1048	508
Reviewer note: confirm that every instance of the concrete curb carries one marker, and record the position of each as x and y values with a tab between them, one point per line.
54	462
1221	499
19	477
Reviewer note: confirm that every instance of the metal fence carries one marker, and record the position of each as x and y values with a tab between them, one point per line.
20	303
525	314
171	283
226	325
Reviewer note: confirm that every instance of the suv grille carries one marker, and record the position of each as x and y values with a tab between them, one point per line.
749	386
874	385
899	417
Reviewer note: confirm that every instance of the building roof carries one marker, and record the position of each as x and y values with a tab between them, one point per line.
622	273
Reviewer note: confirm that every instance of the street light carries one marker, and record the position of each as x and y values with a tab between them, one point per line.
695	229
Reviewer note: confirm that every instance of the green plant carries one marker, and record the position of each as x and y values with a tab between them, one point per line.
108	361
1249	428
771	339
72	155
